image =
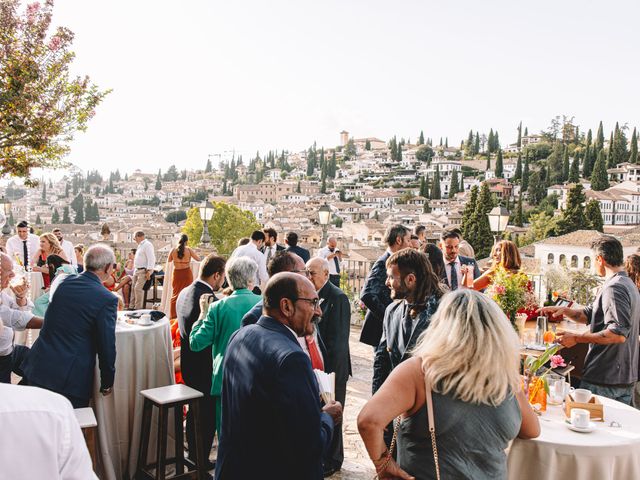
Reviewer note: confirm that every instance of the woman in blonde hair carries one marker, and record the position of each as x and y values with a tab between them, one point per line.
49	253
504	253
469	357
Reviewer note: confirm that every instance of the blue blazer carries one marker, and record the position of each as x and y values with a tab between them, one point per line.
272	424
80	323
377	297
303	253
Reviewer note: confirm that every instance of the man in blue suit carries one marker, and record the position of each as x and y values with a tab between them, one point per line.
80	323
375	294
292	246
454	263
273	426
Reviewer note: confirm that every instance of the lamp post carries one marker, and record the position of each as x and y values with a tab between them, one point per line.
498	220
5	209
206	213
324	214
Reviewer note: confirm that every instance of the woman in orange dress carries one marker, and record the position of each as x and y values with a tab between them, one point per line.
504	253
49	246
182	275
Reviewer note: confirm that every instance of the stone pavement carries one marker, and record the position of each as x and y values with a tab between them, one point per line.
357	465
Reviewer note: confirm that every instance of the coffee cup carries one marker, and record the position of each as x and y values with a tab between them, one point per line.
145	319
582	395
580	417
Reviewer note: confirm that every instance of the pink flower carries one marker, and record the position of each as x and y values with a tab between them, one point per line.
557	361
32	11
55	43
500	289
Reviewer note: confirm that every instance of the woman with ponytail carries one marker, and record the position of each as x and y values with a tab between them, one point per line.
182	275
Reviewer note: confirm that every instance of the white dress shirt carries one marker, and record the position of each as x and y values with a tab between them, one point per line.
457	265
250	250
40	436
67	248
303	342
12	317
324	252
15	247
145	256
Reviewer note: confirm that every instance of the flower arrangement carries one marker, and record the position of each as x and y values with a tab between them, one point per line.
513	292
537	384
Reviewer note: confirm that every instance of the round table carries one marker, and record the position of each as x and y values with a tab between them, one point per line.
144	359
562	454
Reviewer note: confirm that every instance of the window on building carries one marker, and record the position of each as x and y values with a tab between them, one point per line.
587	262
563	260
550	259
574	261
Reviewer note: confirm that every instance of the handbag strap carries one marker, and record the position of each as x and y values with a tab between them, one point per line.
432	427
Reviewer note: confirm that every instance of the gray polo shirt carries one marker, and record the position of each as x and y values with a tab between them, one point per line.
617	308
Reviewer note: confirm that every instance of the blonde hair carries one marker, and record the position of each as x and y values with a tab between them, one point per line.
470	350
55	249
509	255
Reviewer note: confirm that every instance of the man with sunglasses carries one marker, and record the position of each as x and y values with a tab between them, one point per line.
273	425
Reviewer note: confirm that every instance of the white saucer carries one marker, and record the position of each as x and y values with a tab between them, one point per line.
589	429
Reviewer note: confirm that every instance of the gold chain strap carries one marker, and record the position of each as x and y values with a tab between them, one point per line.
435	451
396	423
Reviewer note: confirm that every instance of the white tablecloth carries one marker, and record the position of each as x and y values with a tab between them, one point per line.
144	359
562	454
167	290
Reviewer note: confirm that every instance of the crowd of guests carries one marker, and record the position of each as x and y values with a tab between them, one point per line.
250	331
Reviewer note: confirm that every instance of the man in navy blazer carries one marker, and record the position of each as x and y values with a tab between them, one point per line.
292	246
375	294
273	426
80	322
450	244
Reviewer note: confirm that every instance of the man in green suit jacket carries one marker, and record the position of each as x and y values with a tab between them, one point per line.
224	319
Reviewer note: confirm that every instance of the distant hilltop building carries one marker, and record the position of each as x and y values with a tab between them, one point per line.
344	137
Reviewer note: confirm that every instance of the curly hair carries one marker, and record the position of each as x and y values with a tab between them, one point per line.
632	267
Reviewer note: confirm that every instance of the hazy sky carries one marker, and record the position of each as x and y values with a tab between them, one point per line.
192	78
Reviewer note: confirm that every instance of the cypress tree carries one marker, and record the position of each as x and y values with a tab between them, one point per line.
467	213
298	187
525	172
453	186
333	166
620	153
38	220
599	178
600	138
589	138
499	165
208	168
496	142
423	187
587	166
518	173
490	141
476	145
55	217
574	172
488	167
593	215
519	141
519	218
469	144
158	182
421	138
526	132
435	188
481	238
565	164
633	157
461	187
611	163
79	218
573	217
65	215
446	142
367	145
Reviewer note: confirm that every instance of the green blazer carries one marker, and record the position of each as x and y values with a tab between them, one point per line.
222	320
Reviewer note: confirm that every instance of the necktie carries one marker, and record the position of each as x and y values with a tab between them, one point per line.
25	253
454	276
314	353
407	326
268	255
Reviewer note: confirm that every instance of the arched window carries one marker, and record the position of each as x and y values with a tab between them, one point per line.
587	262
574	261
563	260
550	259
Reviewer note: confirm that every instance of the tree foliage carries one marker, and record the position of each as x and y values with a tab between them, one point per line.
593	215
573	217
599	176
41	105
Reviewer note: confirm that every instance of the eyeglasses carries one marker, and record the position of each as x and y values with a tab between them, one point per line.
313	301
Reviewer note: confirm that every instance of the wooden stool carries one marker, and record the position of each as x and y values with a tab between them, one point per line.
87	420
165	398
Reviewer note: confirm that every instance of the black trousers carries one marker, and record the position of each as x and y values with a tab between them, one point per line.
13	363
335	453
207	427
335	279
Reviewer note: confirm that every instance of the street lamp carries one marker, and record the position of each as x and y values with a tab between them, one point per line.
5	209
206	213
498	220
324	214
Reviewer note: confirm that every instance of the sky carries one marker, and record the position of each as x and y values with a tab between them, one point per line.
197	78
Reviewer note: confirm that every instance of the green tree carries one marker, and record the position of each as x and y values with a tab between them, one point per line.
44	193
66	219
436	194
610	153
519	141
593	215
555	163
574	172
333	166
633	157
541	226
171	175
55	217
367	145
41	105
467	213
468	146
517	176
158	182
480	236
228	224
536	190
176	216
350	149
421	138
519	218
565	165
424	192
573	217
209	167
79	218
587	165
525	173
619	147
38	220
476	144
454	184
488	166
600	138
599	176
490	142
424	153
499	165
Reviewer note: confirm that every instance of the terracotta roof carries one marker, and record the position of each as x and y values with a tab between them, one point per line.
579	237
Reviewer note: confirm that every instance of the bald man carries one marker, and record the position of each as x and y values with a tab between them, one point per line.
333	255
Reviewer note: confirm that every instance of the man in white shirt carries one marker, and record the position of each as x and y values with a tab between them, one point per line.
144	263
334	257
67	247
15	314
252	250
23	246
40	436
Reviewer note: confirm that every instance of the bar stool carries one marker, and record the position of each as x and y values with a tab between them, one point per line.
88	423
165	398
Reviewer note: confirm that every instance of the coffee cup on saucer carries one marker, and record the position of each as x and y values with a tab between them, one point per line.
580	417
582	395
145	319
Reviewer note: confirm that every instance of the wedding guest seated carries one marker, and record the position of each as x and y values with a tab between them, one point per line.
36	420
119	280
65	362
468	362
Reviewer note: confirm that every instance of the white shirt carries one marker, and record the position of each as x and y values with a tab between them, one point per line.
67	248
145	256
16	247
324	253
447	269
12	317
40	436
250	250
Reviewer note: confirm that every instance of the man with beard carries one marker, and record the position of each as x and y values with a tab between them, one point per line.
416	291
455	265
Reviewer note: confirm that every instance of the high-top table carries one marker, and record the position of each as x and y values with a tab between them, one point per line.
144	359
608	453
